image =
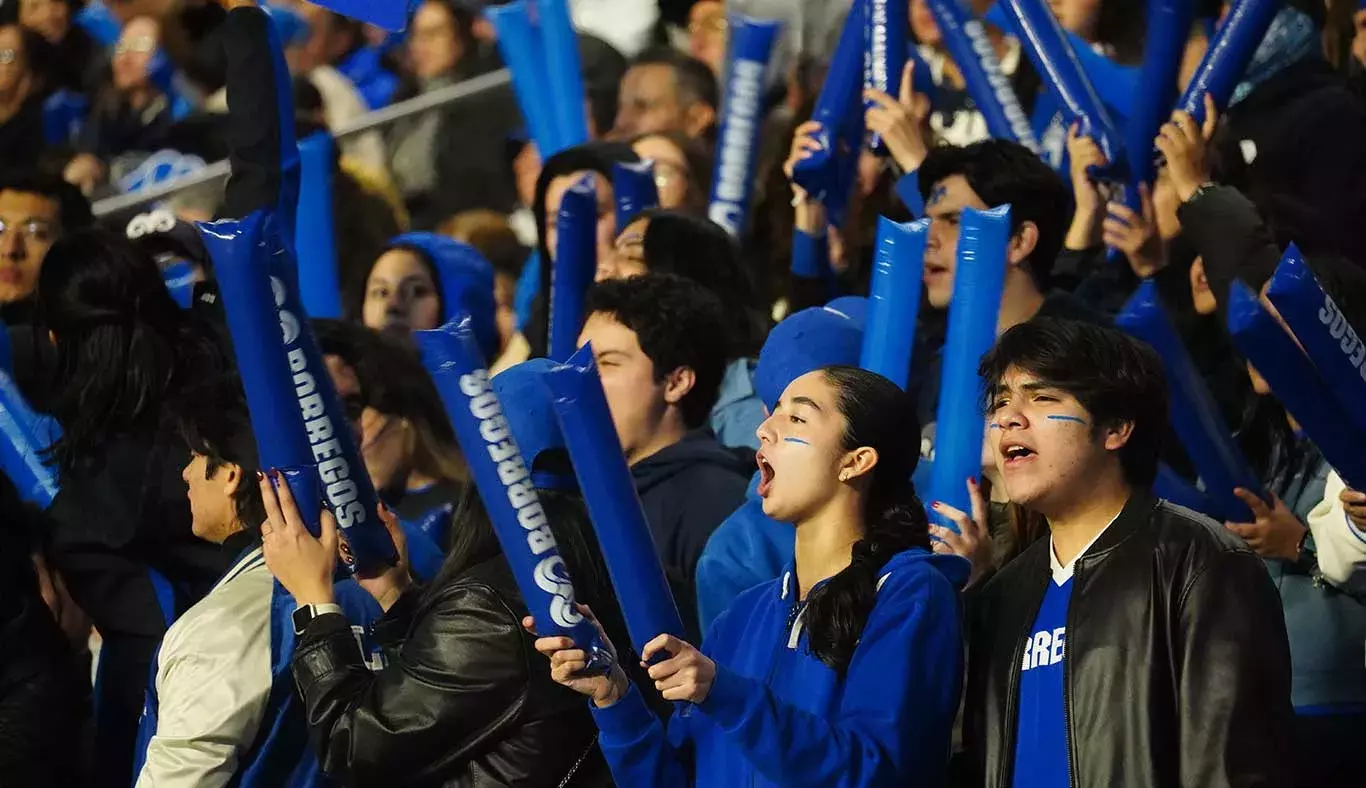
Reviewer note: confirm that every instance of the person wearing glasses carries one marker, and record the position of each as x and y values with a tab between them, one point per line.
21	95
35	211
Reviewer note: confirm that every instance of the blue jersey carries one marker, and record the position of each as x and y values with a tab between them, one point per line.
1041	729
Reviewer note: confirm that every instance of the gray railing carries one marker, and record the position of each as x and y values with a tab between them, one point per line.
219	170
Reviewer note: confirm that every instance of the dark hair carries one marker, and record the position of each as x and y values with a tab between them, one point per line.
461	19
699	249
216	425
125	351
877	414
73	209
678	323
700	163
694	79
1122	25
1116	378
354	297
1002	172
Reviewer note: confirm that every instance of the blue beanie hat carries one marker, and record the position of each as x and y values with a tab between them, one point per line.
813	338
465	280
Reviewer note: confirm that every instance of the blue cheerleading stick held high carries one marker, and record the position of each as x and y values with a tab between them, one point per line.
742	119
1230	50
451	355
979	280
968	45
1169	25
388	14
1299	387
1203	432
886	26
894	299
522	50
315	236
576	252
623	533
839	99
634	185
561	47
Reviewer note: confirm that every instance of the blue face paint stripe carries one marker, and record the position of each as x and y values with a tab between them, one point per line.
1067	418
796	440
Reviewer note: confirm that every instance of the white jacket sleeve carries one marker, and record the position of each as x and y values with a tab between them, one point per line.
213	684
1341	546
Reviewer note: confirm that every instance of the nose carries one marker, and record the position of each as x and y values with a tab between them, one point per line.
12	246
765	431
1009	417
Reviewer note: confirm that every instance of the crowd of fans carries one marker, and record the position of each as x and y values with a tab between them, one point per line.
832	633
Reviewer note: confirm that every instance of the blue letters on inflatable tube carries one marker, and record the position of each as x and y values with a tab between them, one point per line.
894	298
1049	49
623	533
633	183
838	99
25	436
521	49
886	26
1332	343
576	262
742	118
968	45
1294	381
960	422
451	355
180	281
523	391
1197	422
1231	49
561	46
315	233
388	14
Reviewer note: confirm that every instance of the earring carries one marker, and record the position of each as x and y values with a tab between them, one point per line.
844	477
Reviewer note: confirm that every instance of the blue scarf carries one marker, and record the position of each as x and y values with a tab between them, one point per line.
1291	39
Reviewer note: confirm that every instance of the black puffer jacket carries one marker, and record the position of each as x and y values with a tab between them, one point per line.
465	699
1177	664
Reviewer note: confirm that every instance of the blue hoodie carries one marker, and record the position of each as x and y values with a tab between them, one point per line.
776	715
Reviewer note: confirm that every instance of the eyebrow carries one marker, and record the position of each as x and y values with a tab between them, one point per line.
807	401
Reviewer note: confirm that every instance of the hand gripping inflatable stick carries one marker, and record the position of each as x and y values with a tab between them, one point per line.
1332	344
742	118
839	99
1295	382
1198	424
623	533
885	28
1169	24
968	45
451	355
979	279
894	299
576	262
633	183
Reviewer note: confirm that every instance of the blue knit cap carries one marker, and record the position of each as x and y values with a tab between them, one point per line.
813	338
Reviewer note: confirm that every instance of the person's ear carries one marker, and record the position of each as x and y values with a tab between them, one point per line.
232	478
858	463
1022	243
1117	435
678	384
698	118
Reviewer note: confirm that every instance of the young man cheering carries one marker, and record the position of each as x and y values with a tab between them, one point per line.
1140	645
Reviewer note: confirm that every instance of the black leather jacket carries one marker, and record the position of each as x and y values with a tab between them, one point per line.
465	700
1177	664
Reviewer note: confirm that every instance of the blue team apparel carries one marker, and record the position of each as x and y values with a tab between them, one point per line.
1041	729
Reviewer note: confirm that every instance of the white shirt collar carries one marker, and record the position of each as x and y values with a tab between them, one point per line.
1061	573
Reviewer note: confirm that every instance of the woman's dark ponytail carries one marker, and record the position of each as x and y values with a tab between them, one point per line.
879	415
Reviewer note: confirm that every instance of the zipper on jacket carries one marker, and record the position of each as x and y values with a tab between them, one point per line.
785	644
1067	679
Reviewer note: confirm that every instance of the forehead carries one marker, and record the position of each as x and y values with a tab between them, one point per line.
141	26
608	335
399	264
431	15
952	194
1016	379
651	77
27	205
634	232
11	38
813	386
660	149
554	191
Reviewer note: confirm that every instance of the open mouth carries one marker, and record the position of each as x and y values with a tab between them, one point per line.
1016	453
765	474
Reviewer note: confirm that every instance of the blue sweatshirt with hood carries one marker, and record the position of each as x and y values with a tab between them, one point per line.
776	715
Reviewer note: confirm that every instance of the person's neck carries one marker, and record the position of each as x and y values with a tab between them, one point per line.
1020	300
825	542
234	535
669	431
1075	523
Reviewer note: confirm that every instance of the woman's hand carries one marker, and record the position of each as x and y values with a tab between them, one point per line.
1354	503
303	565
1277	532
387	586
900	123
687	675
1137	236
1184	145
809	215
568	661
972	541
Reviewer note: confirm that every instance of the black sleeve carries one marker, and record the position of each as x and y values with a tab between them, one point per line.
255	128
461	672
1224	228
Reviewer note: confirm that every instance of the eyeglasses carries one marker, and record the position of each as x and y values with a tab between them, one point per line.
8	57
33	230
139	45
717	24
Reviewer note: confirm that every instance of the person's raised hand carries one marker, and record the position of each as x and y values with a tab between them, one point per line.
1354	503
1276	532
1083	154
301	562
809	215
388	584
1184	144
972	541
687	674
900	122
568	662
1136	236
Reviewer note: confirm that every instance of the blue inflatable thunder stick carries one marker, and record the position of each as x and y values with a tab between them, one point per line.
1194	416
623	533
894	298
451	355
576	262
23	436
520	45
1169	24
315	237
561	47
838	102
1230	50
885	29
633	183
1295	382
388	14
742	118
979	279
